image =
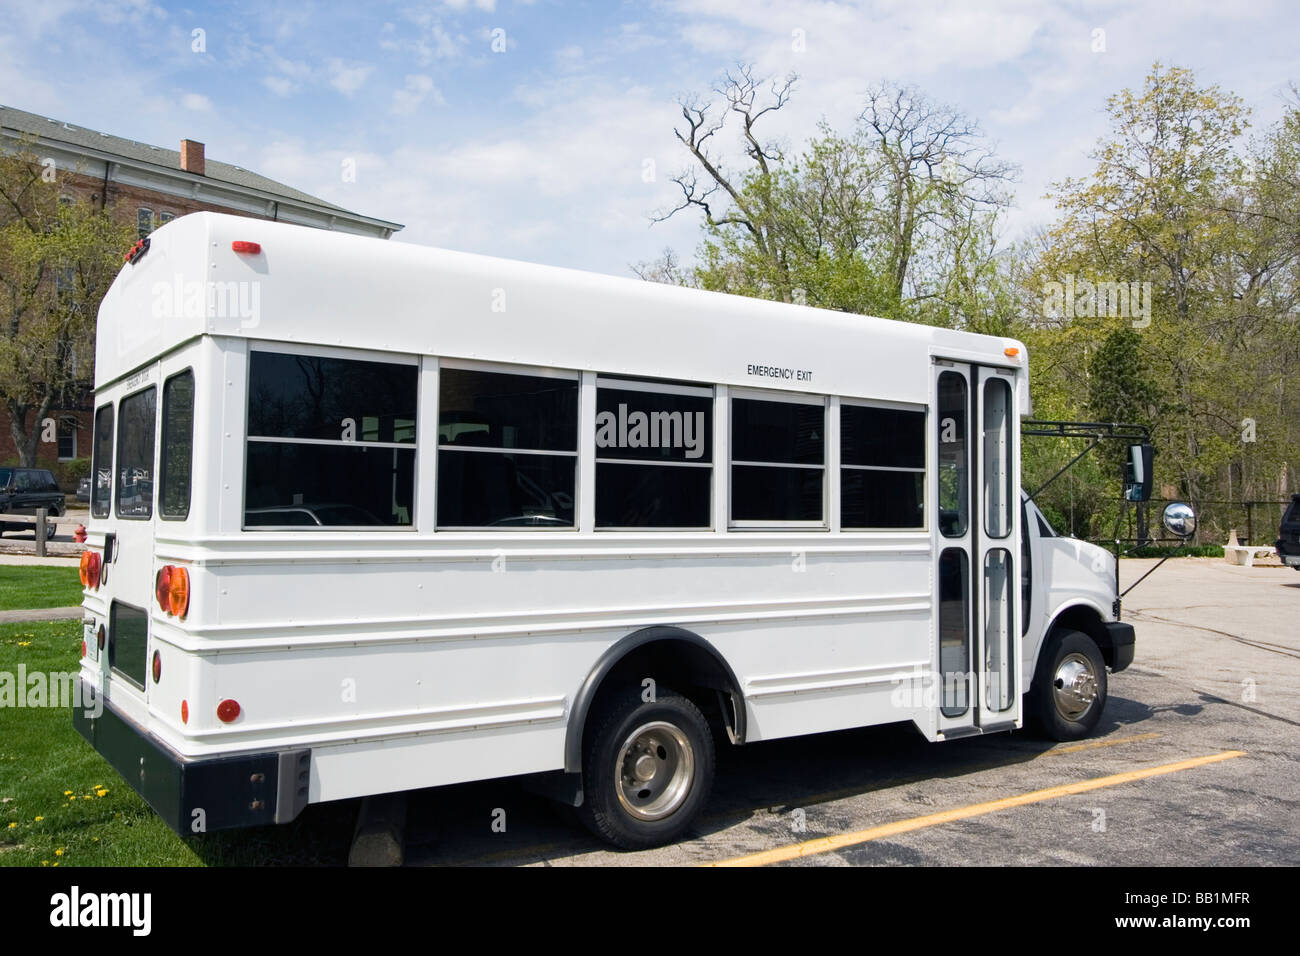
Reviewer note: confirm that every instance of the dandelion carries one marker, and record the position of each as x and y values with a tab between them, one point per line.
59	852
39	819
13	826
45	862
86	797
56	862
101	793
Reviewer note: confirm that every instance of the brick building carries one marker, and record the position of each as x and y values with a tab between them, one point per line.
155	185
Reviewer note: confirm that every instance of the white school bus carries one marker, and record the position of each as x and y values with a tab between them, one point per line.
368	517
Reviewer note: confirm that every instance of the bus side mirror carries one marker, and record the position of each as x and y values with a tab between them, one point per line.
1180	519
1138	473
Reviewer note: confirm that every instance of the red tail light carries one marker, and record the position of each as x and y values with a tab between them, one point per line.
185	712
157	667
83	648
227	710
162	588
252	248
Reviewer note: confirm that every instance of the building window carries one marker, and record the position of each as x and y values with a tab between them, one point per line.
165	217
654	455
331	442
507	450
882	467
67	437
143	222
778	451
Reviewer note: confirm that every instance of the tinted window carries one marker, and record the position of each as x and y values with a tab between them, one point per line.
306	396
508	450
882	478
777	431
777	454
6	476
654	456
135	448
954	481
503	410
342	485
954	631
102	465
128	641
998	493
330	442
177	445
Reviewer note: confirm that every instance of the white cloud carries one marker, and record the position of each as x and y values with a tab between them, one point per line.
347	79
279	85
196	102
418	86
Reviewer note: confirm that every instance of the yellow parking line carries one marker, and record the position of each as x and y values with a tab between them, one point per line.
839	841
1095	744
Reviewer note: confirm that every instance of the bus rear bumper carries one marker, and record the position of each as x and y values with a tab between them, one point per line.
199	795
1123	643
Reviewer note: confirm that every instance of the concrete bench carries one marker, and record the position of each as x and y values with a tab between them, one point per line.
1244	554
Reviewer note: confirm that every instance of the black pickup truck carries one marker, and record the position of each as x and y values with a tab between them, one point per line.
1288	535
23	490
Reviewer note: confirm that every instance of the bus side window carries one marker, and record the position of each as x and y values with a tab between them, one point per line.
331	442
882	467
507	449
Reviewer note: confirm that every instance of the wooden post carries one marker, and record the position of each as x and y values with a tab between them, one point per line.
40	532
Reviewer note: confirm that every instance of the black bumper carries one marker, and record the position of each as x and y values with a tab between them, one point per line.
199	796
1122	644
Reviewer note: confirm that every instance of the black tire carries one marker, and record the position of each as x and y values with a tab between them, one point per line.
1057	710
662	731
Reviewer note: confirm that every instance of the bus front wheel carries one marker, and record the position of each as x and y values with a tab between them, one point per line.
647	768
1070	686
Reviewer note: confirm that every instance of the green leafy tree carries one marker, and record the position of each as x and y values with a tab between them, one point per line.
58	255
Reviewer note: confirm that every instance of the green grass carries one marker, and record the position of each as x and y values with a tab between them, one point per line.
47	770
23	587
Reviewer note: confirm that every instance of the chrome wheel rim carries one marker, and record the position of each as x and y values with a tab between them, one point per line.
1074	688
654	770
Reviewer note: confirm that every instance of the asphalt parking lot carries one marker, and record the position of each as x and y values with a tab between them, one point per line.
1196	763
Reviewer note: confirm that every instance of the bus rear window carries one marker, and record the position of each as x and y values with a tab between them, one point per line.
101	493
177	446
135	447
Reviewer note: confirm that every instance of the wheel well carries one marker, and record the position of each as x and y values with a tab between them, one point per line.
1085	619
670	656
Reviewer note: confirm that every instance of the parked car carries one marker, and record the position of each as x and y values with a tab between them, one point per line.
23	490
1288	535
83	489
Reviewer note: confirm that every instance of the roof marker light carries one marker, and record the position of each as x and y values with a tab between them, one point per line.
1011	352
252	248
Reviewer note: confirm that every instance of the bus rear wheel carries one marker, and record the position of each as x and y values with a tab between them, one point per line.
1070	687
647	769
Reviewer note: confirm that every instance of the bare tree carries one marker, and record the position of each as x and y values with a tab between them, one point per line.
750	209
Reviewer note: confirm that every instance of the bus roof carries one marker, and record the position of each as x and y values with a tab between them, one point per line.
315	287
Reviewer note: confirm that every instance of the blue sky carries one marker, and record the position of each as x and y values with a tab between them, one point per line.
539	152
